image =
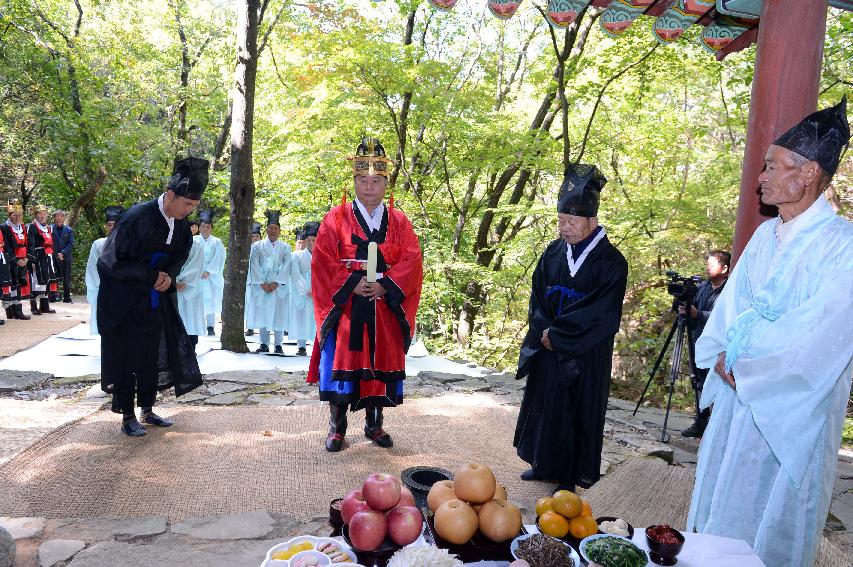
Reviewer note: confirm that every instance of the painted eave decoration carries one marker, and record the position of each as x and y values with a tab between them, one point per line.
728	25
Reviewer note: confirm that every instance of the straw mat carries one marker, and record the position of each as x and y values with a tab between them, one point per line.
19	335
217	460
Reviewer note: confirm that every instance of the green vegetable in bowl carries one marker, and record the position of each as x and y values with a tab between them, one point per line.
615	552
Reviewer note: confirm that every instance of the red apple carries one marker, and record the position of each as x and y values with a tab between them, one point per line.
353	503
381	491
367	530
406	498
405	524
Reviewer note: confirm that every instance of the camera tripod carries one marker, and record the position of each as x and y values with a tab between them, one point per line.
679	329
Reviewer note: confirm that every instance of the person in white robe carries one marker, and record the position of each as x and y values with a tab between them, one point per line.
112	215
302	325
213	281
256	237
780	343
190	295
268	301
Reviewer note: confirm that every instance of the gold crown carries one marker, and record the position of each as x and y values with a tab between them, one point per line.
370	159
38	209
14	207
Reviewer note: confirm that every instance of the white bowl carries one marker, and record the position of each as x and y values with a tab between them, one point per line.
572	553
315	541
586	540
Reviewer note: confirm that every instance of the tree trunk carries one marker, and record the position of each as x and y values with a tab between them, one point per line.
242	189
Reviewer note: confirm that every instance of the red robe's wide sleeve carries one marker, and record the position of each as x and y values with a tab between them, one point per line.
403	280
331	282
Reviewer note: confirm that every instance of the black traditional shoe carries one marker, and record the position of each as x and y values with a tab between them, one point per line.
67	300
210	332
334	442
337	427
152	418
373	428
696	430
263	348
250	333
529	474
302	352
19	313
34	310
44	306
10	312
132	428
278	349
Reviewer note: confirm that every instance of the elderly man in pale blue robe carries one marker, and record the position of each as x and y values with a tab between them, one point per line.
268	295
302	324
780	342
190	292
93	280
212	280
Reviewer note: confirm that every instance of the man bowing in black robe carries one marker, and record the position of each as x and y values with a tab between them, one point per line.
144	346
575	307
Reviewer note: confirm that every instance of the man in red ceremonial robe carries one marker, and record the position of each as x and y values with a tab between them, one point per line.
364	329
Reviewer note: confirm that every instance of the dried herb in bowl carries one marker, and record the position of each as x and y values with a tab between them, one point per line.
544	551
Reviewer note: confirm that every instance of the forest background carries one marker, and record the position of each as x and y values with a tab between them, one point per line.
98	97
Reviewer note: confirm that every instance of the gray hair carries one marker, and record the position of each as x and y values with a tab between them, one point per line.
59	212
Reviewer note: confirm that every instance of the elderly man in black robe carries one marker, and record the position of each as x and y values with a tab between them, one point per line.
144	346
575	308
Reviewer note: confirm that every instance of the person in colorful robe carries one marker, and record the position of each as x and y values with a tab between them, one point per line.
5	277
189	285
212	280
779	344
112	214
15	249
144	345
302	325
43	270
364	329
574	314
268	296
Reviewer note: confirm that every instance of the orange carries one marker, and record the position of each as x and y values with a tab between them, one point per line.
566	503
583	526
553	524
544	505
586	509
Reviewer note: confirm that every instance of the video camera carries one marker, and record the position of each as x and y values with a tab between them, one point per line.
683	289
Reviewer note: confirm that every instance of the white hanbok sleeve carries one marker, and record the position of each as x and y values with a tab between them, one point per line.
283	277
191	272
93	279
256	274
300	284
214	263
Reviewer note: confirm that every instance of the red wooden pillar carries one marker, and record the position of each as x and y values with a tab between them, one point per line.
788	61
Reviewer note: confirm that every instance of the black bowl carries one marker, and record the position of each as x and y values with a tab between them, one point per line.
336	521
378	557
420	479
664	553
